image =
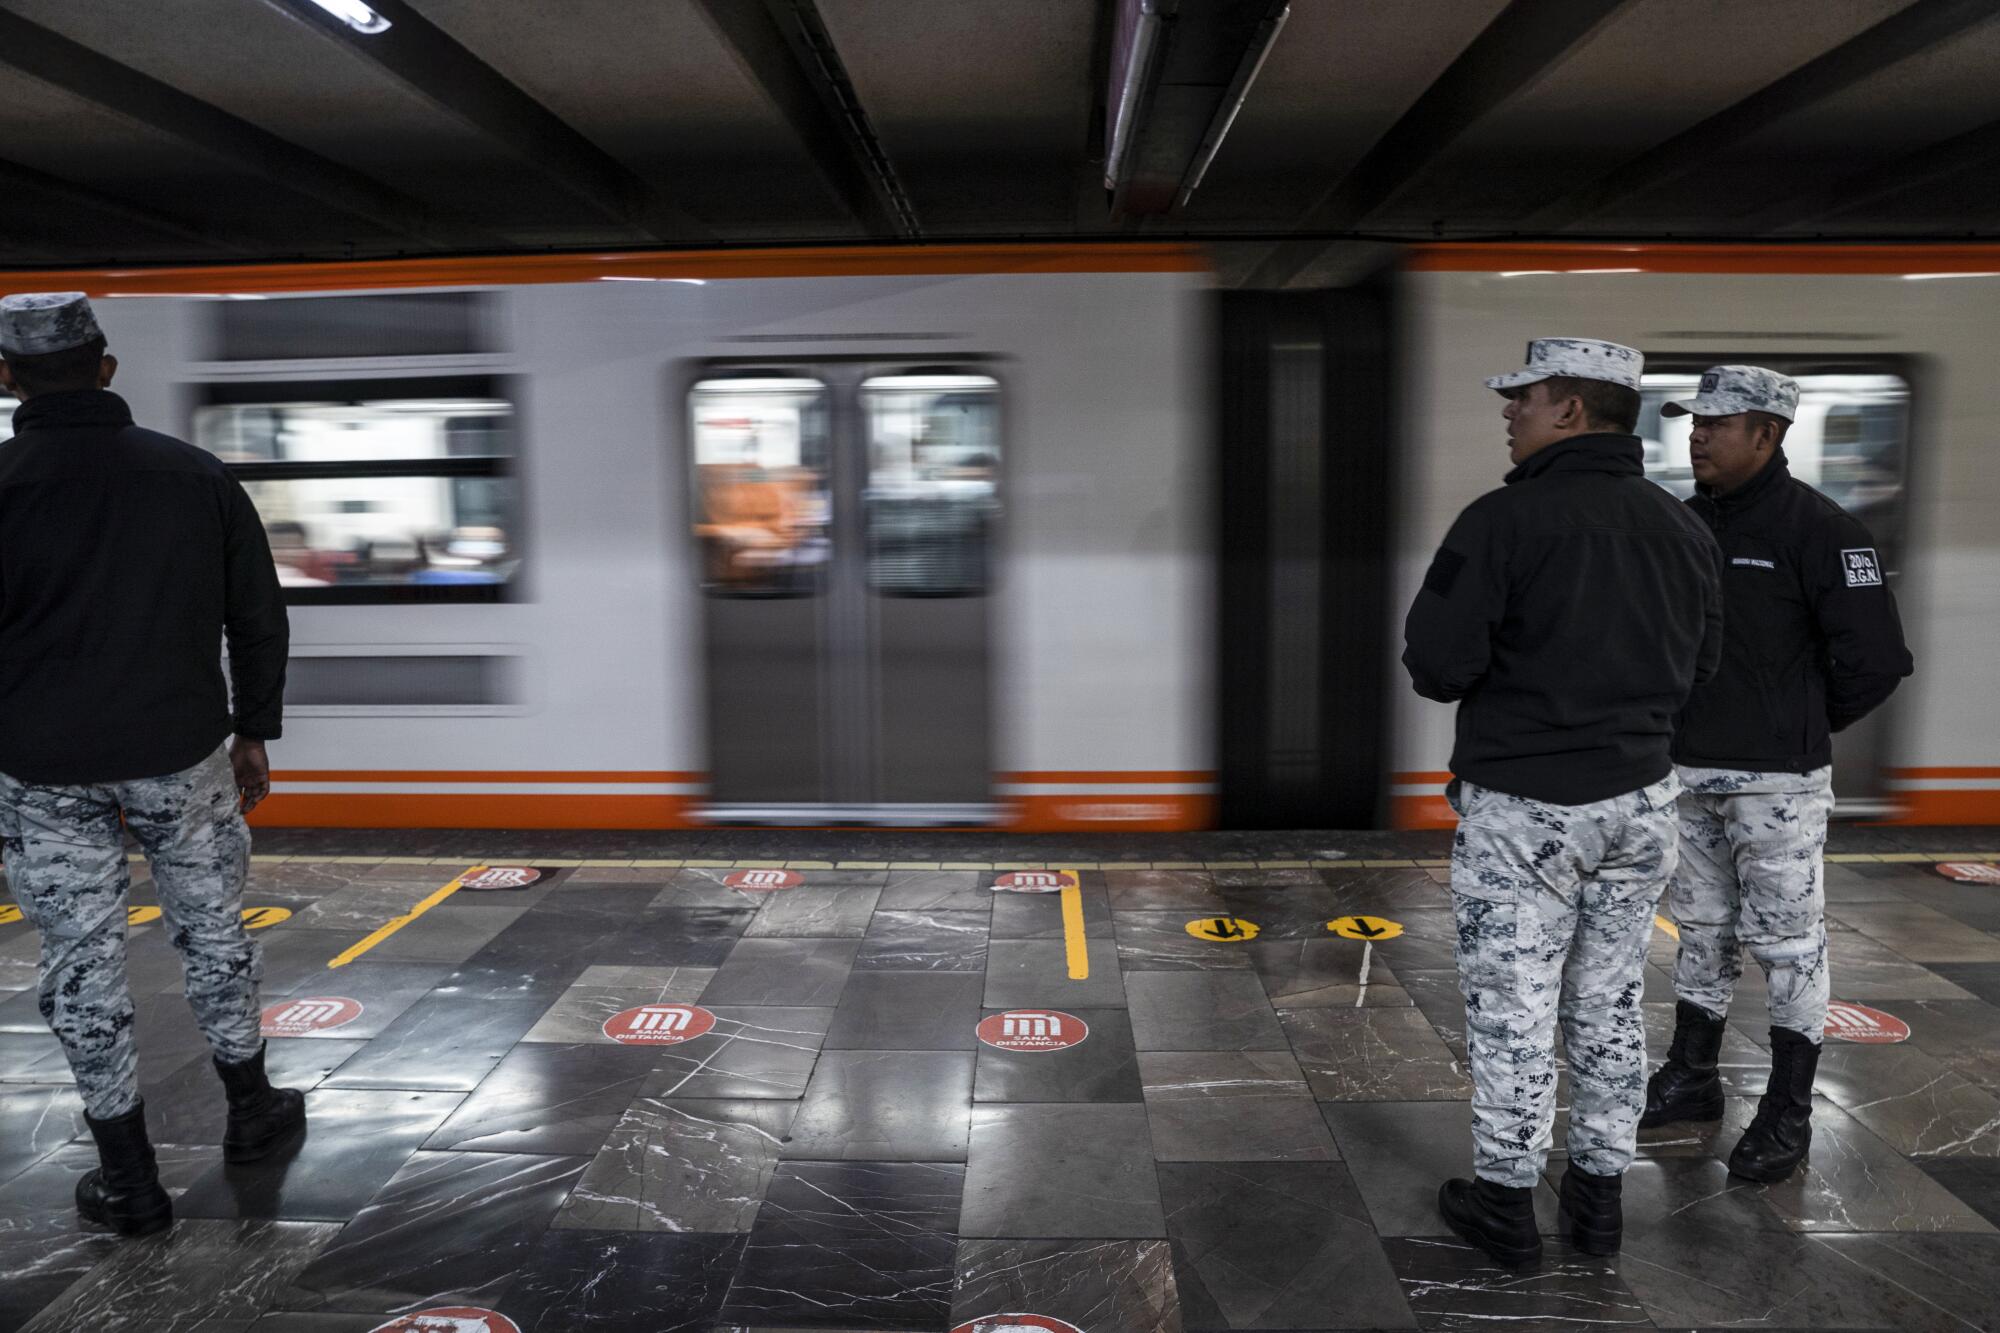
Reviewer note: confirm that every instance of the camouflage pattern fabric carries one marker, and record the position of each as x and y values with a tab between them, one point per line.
65	857
1752	846
1554	905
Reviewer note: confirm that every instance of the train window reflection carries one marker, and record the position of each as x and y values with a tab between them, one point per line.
761	504
933	490
1848	442
366	493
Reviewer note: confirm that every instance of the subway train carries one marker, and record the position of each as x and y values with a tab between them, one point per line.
1024	537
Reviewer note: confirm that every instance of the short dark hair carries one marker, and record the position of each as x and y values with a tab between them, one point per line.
58	372
1759	418
1608	406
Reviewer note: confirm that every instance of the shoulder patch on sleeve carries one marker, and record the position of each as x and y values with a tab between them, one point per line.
1862	568
1443	571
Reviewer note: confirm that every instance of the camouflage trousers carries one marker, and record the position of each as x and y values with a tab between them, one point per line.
65	857
1554	906
1751	873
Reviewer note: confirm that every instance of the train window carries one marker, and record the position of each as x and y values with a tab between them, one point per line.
933	483
1848	441
761	501
376	490
324	327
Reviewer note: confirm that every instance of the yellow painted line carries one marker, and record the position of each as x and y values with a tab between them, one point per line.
391	927
965	865
1073	941
789	865
760	865
1284	865
846	865
1672	931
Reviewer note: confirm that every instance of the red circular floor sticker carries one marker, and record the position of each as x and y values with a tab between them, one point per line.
1032	1030
450	1319
1970	872
763	881
1035	881
658	1024
1016	1323
500	877
1857	1022
314	1013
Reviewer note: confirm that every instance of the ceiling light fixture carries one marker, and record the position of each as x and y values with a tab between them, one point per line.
355	15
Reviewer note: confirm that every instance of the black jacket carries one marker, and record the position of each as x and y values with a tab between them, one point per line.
1812	642
126	559
1569	613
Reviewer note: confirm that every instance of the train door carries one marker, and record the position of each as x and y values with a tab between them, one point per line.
845	519
1850	443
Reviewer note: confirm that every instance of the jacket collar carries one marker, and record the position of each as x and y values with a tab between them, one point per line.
84	407
1617	454
1752	490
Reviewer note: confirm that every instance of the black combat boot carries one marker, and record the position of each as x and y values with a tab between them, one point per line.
1499	1219
124	1192
261	1118
1590	1211
1777	1139
1687	1087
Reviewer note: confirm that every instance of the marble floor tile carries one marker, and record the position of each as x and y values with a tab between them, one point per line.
1055	1171
751	1052
1231	1106
1975	905
1277	1245
705	888
1285	911
1103	1067
851	1245
937	891
1910	1100
1163	890
449	1228
532	959
1436	994
885	1106
1159	941
364	907
549	1097
623	1282
1106	1286
1744	1067
808	973
671	937
698	1165
355	1140
1202	1011
580	1013
1385	892
1971	1180
1451	1286
1867	971
188	1106
1971	980
442	1042
1398	1153
1946	1280
1920	934
1959	1034
924	942
50	1184
1034	974
1429	942
34	1122
815	913
1039	916
1853	1181
1383	1055
385	992
199	1269
42	1252
1330	973
908	1011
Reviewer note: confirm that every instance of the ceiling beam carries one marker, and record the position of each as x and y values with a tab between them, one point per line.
1522	43
784	46
1906	33
437	67
1974	153
16	180
82	73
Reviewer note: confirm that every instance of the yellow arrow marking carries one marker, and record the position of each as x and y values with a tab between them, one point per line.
9	915
1222	929
1365	927
391	927
1673	931
139	916
256	918
1072	914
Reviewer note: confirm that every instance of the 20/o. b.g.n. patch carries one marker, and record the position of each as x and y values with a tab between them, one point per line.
1863	570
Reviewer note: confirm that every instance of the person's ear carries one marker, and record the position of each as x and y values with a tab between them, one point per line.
7	379
105	370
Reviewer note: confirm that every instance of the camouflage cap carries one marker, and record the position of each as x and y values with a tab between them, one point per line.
1578	358
36	323
1726	390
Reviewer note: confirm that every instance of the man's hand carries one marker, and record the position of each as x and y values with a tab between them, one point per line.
253	771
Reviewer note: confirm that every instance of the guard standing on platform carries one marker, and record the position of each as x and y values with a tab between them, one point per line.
1812	644
1568	614
127	559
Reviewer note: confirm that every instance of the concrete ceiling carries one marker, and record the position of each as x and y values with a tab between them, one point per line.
217	130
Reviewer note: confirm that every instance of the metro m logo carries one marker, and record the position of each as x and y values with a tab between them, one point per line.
1031	1025
661	1018
310	1013
757	879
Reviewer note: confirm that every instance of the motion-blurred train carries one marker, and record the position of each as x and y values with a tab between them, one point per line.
1042	538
